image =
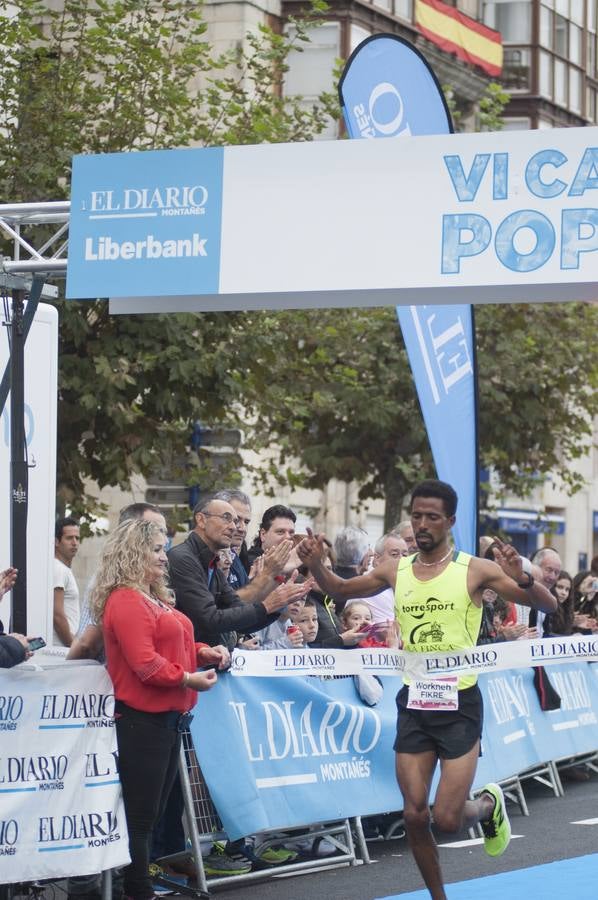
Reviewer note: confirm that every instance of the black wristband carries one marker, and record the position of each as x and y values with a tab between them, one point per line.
526	584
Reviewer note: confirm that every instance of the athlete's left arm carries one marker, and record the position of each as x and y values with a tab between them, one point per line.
506	574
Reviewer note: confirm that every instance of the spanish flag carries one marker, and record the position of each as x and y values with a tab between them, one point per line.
457	33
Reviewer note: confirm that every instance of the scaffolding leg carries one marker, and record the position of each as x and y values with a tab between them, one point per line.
361	841
191	823
107	884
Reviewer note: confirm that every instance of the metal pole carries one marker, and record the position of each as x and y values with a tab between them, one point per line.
18	465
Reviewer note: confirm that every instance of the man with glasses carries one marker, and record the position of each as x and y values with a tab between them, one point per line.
202	591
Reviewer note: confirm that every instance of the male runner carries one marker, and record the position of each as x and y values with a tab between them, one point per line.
438	597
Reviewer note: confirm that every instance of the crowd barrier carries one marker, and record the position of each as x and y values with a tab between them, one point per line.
279	752
61	808
276	753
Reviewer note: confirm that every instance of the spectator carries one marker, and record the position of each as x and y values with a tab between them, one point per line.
203	593
307	621
14	648
277	525
405	530
267	568
585	592
382	605
282	634
495	626
330	630
355	615
561	621
240	502
66	592
151	658
89	642
350	547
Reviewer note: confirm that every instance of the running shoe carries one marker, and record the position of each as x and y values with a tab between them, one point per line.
220	863
496	829
277	856
161	888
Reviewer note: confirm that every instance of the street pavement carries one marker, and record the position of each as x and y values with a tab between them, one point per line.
557	828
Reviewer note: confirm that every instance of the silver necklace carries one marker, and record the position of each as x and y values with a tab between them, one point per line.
437	562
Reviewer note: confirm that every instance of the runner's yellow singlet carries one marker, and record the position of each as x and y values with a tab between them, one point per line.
438	614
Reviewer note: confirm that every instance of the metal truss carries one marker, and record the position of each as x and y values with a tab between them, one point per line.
27	260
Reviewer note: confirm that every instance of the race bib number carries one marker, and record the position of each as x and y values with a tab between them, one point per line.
439	694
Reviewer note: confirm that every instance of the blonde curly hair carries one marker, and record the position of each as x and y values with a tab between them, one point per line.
124	562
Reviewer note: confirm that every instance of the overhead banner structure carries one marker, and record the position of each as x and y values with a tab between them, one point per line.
387	89
480	218
62	809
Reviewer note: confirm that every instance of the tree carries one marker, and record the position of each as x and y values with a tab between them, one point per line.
112	75
335	392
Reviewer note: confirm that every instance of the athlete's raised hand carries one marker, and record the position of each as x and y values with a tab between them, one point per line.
508	559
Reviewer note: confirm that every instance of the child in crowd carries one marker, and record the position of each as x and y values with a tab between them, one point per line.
307	621
281	634
355	615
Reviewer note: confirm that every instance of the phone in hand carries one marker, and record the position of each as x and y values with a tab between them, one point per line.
36	643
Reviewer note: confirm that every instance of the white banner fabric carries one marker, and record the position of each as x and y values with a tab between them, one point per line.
389	661
61	809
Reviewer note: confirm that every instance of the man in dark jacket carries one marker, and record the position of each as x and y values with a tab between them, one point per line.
203	593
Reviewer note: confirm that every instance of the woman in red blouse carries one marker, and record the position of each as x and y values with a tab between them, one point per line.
151	657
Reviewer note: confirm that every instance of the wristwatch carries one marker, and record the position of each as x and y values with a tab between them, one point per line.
527	583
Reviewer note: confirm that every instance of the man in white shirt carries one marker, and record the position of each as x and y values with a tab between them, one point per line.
66	592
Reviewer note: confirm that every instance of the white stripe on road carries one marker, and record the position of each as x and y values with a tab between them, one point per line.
309	778
562	726
586	822
474	842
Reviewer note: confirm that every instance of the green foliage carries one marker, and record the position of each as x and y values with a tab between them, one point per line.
335	391
491	107
97	76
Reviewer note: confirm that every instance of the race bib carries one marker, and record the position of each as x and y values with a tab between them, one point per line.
437	694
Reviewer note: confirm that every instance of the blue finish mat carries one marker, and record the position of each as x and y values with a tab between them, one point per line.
559	880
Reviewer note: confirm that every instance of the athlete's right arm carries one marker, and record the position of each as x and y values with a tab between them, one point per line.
311	550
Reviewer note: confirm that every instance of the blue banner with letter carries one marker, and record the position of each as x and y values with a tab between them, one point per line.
284	752
146	223
280	752
388	90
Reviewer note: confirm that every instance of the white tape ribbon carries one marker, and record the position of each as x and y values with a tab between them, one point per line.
387	661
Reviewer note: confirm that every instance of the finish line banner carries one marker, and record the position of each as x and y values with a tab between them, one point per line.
62	812
387	661
435	219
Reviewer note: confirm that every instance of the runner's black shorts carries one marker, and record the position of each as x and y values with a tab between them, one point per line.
450	733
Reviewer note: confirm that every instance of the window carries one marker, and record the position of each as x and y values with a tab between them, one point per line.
591	55
546	24
357	35
561	27
575	90
513	20
590	104
404	9
516	69
575	44
560	82
516	124
545	75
